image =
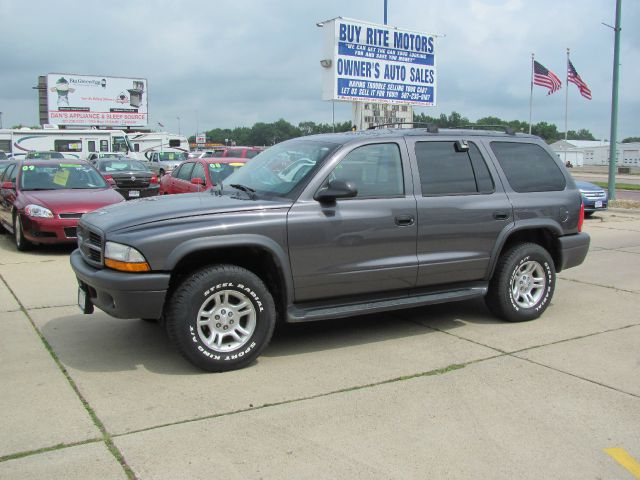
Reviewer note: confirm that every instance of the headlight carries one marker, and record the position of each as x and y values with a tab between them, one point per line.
124	258
38	211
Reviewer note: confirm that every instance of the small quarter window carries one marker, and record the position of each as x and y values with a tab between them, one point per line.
528	167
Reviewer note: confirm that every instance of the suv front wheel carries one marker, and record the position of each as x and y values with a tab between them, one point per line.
221	317
523	283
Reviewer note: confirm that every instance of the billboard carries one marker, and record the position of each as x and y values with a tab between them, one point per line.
366	62
91	100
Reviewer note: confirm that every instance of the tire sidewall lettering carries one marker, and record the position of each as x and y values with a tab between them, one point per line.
235	355
541	305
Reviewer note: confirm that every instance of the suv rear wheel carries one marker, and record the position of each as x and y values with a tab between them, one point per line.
523	283
221	317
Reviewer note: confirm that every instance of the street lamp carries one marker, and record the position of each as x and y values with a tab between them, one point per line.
178	125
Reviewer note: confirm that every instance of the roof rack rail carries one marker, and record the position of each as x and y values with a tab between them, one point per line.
475	126
431	128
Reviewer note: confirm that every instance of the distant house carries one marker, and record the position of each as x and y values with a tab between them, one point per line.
590	152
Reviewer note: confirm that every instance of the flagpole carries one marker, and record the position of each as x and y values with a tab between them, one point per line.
566	100
531	96
566	108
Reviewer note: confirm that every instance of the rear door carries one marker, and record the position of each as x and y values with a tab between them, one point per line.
365	244
182	181
461	207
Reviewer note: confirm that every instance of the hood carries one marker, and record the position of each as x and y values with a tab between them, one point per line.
588	187
168	207
128	173
72	201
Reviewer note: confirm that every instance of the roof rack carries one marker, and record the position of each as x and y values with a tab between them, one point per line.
474	126
431	128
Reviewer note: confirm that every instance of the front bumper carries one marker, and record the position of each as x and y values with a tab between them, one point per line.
49	230
573	250
120	294
143	192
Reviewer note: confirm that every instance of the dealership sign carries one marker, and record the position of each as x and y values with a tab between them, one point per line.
366	62
96	100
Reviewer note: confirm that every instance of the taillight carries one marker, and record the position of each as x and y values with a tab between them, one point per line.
154	178
581	217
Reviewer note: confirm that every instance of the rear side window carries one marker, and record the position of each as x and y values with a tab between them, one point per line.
528	167
185	171
445	171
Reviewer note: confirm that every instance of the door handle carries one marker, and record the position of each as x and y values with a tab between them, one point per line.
500	215
404	220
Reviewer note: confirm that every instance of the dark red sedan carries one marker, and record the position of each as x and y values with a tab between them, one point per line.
42	200
199	174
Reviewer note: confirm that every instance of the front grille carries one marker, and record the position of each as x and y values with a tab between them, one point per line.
594	195
128	183
70	215
70	232
90	244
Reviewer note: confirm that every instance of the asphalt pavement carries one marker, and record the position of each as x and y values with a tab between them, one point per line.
440	392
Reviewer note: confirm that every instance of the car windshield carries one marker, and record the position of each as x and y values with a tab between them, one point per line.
219	171
171	156
60	176
44	155
121	166
263	173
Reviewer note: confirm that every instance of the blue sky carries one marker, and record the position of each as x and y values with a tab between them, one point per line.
228	64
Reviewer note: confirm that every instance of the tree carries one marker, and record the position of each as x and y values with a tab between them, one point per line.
631	139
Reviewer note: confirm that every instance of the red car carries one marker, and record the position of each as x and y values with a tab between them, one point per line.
199	174
237	152
42	200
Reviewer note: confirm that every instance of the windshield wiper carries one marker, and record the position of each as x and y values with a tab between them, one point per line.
243	188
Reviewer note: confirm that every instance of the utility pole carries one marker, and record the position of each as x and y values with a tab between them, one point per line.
614	106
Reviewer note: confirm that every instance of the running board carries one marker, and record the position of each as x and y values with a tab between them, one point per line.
297	314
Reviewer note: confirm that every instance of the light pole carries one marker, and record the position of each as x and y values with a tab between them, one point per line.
614	106
178	125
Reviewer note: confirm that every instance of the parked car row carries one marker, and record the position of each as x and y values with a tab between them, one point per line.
42	200
43	197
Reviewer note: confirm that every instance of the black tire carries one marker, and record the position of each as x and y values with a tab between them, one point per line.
22	243
533	290
216	294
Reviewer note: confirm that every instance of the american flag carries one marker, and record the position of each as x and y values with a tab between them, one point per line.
545	78
573	77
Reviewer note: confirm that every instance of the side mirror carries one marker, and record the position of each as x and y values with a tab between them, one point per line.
197	181
8	186
110	180
336	189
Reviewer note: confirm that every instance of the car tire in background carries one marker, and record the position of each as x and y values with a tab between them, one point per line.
22	243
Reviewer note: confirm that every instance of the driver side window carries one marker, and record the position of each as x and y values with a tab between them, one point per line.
375	170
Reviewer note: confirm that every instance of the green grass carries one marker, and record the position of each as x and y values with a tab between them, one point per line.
619	186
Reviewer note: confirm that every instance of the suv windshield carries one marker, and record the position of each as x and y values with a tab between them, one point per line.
59	176
265	174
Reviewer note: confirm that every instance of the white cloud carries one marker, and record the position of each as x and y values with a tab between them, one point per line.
231	63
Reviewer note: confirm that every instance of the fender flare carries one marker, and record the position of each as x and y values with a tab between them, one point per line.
233	241
509	230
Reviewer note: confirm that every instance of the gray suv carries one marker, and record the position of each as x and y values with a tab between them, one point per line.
377	220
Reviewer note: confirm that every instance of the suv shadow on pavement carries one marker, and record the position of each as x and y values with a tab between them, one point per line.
113	345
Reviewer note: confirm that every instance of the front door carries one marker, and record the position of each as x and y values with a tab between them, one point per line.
358	245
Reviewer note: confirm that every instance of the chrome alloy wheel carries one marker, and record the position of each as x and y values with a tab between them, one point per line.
528	284
226	320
